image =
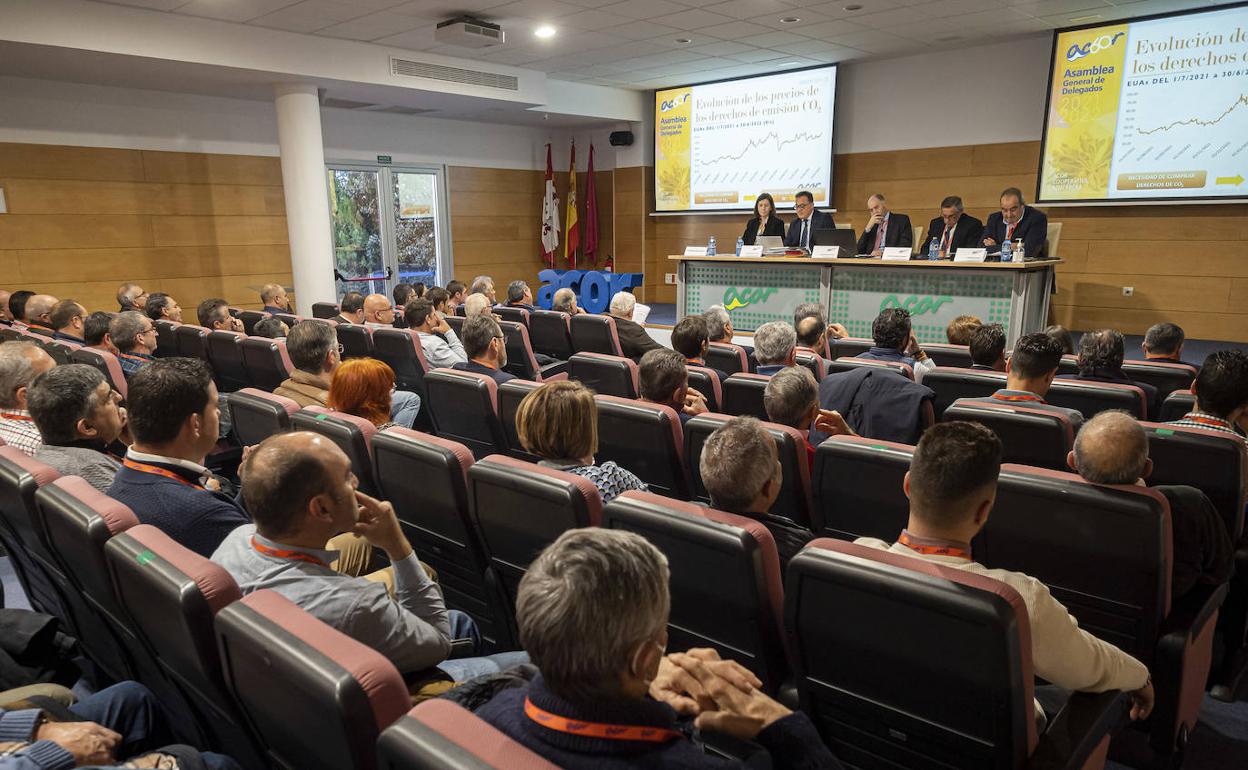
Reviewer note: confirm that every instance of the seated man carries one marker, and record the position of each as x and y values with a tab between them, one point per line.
801	232
437	338
665	380
437	297
634	341
600	653
162	307
1063	337
894	341
456	293
300	488
484	285
351	308
719	327
134	334
130	296
273	296
1029	373
520	295
952	485
690	339
1163	343
810	321
486	348
477	304
271	328
884	228
988	348
175	423
315	352
953	229
20	363
378	312
1221	391
1101	353
78	415
95	331
1112	448
214	315
960	329
775	347
564	301
1014	222
791	398
17	307
68	319
39	313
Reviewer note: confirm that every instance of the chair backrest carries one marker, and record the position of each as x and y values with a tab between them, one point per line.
593	333
356	340
329	685
845	364
1030	436
456	322
441	735
1069	364
267	362
895	620
22	535
611	375
166	338
515	314
856	487
706	382
225	350
402	351
520	508
726	586
1176	405
794	501
949	355
250	318
951	383
352	434
290	319
743	395
324	309
464	408
848	347
550	334
192	341
1104	552
645	438
727	357
258	414
814	363
1091	398
106	363
1053	237
520	359
426	479
919	236
1214	462
60	350
510	394
1166	377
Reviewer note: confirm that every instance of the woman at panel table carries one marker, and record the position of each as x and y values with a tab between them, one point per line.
765	221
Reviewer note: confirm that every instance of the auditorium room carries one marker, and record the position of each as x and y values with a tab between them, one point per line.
624	384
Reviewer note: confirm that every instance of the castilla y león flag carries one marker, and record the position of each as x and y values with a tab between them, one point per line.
550	215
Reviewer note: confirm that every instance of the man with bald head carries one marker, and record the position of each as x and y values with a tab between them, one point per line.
20	363
273	295
378	312
1112	448
564	301
38	313
130	296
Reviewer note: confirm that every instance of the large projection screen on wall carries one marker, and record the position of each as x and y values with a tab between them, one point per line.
1149	110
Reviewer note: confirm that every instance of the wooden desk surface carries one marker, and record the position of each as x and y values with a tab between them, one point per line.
875	262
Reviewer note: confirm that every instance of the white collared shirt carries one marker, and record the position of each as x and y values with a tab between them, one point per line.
143	457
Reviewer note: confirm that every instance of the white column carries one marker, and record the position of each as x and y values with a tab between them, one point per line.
307	199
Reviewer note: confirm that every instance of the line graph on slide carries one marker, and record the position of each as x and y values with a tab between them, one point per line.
755	144
1242	101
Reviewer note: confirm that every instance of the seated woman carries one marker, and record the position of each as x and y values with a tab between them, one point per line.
558	422
765	221
362	387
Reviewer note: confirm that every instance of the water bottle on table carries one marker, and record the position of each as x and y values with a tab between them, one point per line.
710	246
1007	251
740	245
933	250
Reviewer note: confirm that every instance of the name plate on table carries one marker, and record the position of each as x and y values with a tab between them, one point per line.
970	255
695	251
752	251
826	252
897	254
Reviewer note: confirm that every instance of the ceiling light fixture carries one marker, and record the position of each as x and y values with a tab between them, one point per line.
854	7
789	20
545	31
684	40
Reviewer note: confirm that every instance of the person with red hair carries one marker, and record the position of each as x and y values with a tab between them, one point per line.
362	387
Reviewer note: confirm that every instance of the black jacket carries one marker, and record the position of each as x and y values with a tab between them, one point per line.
876	403
1033	228
967	234
634	342
1202	549
775	226
899	233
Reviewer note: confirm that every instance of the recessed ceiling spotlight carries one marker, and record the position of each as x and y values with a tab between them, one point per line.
854	7
544	31
789	20
683	40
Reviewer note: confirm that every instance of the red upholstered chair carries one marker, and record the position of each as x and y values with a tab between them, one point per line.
593	333
225	353
727	357
324	309
550	332
510	394
706	382
23	538
352	434
844	364
951	383
514	314
60	350
1166	377
1030	436
726	587
171	595
1176	405
1091	398
106	362
267	362
464	408
296	679
250	318
611	375
813	362
743	395
166	338
645	438
356	340
848	347
290	319
856	487
192	341
441	735
258	414
520	359
932	668
949	355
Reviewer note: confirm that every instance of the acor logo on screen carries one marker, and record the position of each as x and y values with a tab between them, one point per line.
1076	52
735	298
671	104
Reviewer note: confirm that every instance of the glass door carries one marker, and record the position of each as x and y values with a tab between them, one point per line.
416	226
356	218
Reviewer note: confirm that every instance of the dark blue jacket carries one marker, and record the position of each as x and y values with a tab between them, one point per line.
498	375
196	518
1033	228
876	403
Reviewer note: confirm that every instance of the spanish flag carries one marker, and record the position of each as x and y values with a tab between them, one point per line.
572	231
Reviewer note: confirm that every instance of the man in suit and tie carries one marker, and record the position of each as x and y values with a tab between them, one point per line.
885	229
1016	220
954	229
802	230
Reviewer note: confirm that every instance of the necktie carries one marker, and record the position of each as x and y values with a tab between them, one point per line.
805	233
879	235
1009	232
944	241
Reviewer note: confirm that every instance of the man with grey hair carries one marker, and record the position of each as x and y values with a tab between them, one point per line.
314	350
39	312
884	229
634	341
775	347
664	379
486	348
78	415
954	229
273	295
1112	449
600	650
130	296
483	284
520	295
20	363
719	327
478	304
1101	353
791	398
134	334
564	301
1163	343
813	330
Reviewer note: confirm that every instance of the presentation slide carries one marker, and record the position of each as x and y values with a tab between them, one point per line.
718	145
1152	109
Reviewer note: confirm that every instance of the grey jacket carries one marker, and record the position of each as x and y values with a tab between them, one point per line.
96	467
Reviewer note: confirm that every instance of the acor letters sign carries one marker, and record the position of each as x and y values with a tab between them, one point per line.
594	288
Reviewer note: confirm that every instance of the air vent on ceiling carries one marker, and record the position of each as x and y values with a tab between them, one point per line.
396	110
345	104
420	69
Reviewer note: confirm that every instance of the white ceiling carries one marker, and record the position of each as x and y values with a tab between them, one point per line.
633	43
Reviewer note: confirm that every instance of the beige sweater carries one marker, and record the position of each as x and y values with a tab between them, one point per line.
1061	651
305	388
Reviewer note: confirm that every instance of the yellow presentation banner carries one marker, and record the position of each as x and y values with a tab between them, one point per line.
673	135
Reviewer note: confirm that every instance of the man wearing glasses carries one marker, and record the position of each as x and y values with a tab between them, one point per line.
68	318
135	338
802	230
486	348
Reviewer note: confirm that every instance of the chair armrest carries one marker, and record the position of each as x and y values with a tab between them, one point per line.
1080	728
1181	663
462	648
1190	614
552	371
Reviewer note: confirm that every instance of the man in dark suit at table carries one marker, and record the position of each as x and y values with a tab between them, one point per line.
885	228
1016	220
802	230
954	229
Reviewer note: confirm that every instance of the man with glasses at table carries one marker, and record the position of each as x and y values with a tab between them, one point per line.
802	230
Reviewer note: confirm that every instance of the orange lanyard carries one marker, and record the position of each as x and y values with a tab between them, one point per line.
933	550
598	729
1188	418
21	417
280	553
1000	397
145	468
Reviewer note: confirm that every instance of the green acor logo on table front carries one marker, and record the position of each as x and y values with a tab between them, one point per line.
735	298
915	304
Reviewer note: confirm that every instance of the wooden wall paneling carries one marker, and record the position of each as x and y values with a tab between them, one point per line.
65	231
203	168
495	214
45	161
225	231
37	266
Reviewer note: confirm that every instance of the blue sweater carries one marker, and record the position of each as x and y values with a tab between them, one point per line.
194	517
792	742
